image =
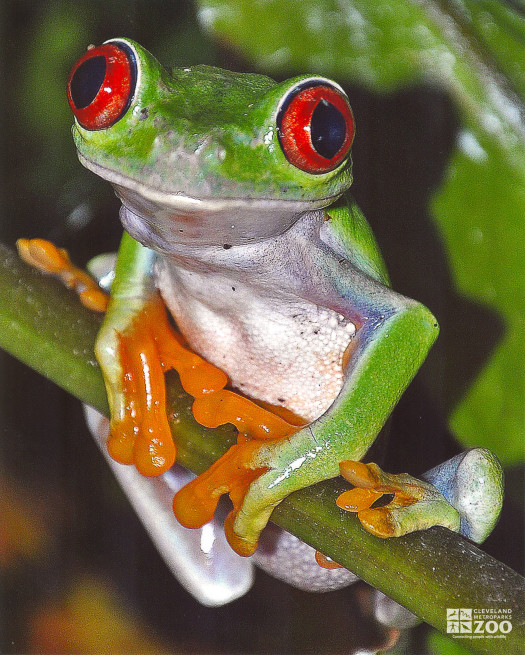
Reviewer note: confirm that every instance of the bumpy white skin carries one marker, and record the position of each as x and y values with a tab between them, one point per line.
234	308
289	355
289	559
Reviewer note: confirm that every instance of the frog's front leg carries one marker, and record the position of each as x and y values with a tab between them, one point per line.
126	351
390	344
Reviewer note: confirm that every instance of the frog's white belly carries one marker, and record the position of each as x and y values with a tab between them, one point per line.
274	348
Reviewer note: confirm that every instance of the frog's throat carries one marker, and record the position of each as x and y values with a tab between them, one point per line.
179	202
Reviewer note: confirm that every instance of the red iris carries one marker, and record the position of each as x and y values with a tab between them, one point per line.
316	127
101	85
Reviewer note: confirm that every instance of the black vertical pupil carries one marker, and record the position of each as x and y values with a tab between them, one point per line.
328	129
87	80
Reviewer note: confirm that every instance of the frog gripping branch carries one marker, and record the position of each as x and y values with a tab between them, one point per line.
235	216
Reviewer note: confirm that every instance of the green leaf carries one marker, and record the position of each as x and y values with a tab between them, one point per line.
480	209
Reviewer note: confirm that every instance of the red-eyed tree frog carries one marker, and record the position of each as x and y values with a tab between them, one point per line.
236	218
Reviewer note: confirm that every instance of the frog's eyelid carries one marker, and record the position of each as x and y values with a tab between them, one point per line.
300	84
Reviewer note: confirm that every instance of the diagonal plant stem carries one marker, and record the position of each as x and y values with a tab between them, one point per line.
46	327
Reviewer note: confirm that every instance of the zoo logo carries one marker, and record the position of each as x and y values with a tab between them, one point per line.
468	623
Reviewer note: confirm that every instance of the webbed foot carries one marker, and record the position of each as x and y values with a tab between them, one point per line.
257	474
416	505
146	347
464	494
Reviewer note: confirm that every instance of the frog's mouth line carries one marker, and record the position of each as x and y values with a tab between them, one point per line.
190	204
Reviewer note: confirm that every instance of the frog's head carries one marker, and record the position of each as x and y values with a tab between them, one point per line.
207	154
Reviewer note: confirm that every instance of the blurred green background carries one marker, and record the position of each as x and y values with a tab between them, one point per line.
437	90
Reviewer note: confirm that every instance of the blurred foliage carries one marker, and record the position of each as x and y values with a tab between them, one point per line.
464	58
91	618
497	29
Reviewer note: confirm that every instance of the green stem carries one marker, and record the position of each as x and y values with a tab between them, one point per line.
44	325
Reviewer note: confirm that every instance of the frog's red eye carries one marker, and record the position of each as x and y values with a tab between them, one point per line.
315	127
101	85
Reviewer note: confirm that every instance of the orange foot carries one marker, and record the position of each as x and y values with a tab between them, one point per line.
45	256
147	348
415	504
140	434
233	473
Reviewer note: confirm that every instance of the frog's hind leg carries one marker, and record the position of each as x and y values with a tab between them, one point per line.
415	504
233	473
464	494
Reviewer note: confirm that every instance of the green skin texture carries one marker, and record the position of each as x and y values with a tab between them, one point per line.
230	119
